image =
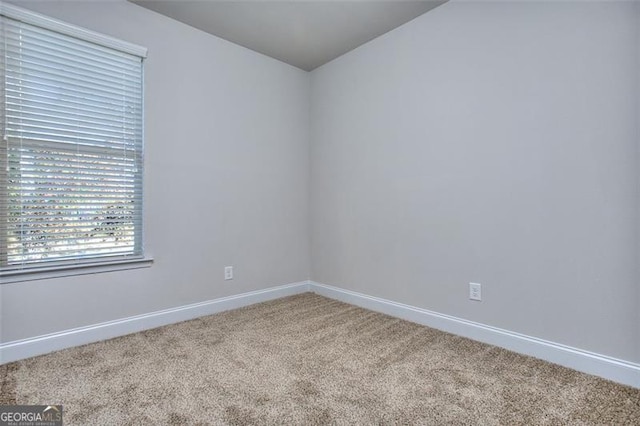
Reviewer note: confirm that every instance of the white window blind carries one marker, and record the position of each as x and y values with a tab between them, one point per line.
71	149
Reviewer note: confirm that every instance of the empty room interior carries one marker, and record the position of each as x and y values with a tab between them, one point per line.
320	212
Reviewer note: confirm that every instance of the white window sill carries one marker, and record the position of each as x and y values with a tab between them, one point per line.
14	276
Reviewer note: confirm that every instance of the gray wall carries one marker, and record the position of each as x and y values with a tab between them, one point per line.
226	179
494	143
489	142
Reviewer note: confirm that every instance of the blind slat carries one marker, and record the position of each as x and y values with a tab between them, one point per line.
38	48
56	254
71	223
70	104
29	84
42	65
71	44
83	120
41	109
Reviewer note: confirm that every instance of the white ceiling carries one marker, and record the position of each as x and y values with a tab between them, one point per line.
303	33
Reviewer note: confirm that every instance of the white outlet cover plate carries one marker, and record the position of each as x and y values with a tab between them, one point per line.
228	272
475	291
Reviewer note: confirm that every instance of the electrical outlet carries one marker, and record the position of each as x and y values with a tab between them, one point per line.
228	272
475	291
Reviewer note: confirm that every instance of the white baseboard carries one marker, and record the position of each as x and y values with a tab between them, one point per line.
21	349
617	370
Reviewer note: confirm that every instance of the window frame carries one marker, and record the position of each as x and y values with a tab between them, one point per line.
90	265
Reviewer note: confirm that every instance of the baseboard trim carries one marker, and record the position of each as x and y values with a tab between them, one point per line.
613	369
617	370
27	348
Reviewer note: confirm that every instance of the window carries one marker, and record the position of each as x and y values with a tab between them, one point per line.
71	148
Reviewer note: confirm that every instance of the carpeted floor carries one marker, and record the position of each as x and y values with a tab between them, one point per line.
309	360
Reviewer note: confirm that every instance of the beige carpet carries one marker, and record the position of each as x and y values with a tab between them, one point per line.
310	360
